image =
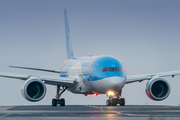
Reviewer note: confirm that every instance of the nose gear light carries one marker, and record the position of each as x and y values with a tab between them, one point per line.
110	93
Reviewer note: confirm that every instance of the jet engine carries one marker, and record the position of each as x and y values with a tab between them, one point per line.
157	89
33	89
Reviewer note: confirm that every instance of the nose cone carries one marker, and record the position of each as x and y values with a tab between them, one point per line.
116	83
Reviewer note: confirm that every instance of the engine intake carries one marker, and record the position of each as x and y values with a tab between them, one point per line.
157	89
33	89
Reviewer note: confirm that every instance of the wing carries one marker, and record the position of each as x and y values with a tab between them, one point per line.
140	78
39	69
51	80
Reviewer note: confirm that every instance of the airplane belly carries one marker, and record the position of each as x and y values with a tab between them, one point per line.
116	83
101	86
111	83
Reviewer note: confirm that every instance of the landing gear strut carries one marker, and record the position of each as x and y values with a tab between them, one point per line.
57	100
114	101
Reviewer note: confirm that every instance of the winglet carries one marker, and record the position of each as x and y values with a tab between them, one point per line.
70	54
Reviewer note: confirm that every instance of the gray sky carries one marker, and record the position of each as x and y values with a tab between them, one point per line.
144	35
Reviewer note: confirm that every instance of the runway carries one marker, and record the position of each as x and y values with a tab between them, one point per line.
86	112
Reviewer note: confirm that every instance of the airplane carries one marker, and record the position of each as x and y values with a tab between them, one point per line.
92	75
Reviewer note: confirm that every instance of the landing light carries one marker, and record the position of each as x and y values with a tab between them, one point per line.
110	93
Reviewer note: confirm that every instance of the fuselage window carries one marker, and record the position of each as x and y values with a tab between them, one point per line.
104	69
110	69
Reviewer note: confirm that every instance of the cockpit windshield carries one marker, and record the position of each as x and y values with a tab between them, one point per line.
118	69
112	69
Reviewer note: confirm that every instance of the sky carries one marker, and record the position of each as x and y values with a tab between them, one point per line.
144	35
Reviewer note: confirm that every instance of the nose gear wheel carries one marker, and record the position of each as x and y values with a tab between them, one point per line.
114	101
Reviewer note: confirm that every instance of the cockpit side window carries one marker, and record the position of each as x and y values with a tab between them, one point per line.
121	69
110	69
104	69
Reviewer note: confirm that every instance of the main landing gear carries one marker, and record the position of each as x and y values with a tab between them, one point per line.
114	101
57	100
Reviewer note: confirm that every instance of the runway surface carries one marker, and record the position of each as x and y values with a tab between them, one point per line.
94	112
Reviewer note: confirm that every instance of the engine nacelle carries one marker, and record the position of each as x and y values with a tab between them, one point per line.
157	89
33	89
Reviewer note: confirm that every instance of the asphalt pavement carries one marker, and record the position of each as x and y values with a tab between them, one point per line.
93	112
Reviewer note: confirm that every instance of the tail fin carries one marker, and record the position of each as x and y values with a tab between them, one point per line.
70	54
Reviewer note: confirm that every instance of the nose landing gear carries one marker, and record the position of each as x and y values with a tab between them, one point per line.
114	101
